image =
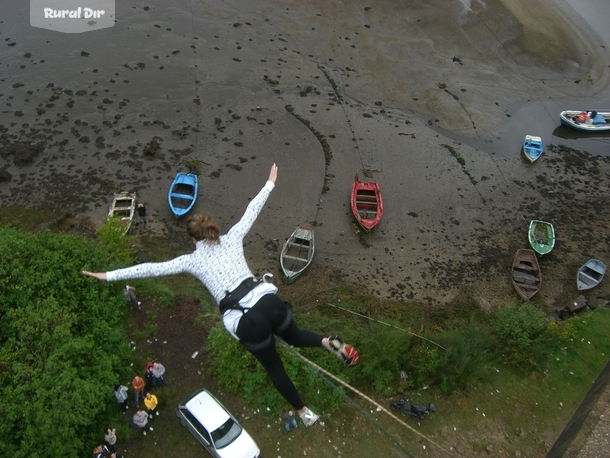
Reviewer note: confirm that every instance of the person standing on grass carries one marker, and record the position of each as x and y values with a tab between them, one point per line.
151	404
138	389
140	420
251	310
289	421
148	376
120	394
158	372
101	451
110	438
130	296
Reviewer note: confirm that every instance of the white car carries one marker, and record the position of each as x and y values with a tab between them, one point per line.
217	430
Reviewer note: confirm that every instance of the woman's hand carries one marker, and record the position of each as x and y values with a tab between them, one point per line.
273	174
98	275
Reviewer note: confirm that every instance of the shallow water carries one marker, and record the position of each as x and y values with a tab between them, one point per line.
541	118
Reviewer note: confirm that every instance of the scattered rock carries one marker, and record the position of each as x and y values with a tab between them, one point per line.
598	303
152	147
5	175
577	305
23	152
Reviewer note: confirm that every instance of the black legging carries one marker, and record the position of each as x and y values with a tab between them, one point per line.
270	315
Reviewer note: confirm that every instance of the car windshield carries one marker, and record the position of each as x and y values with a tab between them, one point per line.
226	434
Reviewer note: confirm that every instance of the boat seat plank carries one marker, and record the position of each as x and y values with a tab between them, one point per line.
296	258
527	279
181	196
584	276
304	244
525	266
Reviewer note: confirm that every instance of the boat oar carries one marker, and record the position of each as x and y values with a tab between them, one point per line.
388	324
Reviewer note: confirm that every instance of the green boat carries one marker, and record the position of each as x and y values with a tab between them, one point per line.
541	236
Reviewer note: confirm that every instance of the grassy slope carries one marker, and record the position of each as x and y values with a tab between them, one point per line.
511	413
507	415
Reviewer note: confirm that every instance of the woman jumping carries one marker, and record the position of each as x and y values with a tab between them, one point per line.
251	310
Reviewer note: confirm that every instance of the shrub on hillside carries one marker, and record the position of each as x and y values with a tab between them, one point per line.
523	332
62	343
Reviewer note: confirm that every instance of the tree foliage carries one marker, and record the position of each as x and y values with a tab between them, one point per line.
62	343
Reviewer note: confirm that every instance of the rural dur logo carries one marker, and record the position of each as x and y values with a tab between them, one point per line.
72	16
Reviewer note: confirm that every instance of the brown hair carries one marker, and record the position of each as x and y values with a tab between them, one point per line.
203	227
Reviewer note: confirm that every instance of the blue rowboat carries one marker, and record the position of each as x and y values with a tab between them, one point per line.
532	147
182	193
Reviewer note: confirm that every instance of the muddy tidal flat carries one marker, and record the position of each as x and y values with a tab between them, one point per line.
429	98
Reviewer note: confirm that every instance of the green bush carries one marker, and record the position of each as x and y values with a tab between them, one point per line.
470	352
63	344
523	331
384	354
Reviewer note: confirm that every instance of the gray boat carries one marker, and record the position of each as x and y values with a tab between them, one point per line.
590	274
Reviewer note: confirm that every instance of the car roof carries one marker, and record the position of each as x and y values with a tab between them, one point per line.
207	410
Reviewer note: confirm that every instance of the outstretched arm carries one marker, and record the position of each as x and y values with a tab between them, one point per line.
255	206
98	275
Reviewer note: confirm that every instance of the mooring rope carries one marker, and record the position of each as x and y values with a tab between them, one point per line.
388	324
364	396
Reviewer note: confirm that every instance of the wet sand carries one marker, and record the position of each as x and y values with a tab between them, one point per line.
424	98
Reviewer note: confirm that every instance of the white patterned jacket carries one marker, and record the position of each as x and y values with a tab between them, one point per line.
220	267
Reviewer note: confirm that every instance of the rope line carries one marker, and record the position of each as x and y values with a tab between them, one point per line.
357	407
364	396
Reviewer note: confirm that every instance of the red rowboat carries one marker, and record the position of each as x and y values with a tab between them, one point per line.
366	203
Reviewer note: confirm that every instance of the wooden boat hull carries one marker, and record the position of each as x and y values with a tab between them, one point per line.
297	253
123	206
541	236
590	274
366	203
572	118
527	278
183	193
532	148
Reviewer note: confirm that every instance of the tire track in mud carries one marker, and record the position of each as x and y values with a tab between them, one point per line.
328	154
473	181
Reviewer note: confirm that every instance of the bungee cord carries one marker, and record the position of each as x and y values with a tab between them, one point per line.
320	371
